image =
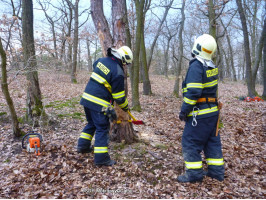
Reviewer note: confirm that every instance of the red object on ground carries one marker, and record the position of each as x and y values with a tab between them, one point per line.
249	99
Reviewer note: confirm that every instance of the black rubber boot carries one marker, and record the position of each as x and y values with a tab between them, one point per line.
217	177
87	150
108	163
186	179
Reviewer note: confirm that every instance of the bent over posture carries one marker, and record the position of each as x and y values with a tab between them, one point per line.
200	111
106	84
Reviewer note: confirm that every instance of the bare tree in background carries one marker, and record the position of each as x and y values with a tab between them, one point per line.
180	50
34	98
4	85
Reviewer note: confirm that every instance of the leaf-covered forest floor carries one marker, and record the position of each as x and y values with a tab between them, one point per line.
147	169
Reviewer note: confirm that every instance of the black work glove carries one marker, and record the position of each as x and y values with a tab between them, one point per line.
183	116
110	112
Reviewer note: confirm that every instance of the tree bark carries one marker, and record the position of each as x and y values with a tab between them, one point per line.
264	68
101	25
34	100
180	50
123	131
90	67
135	90
146	79
259	53
231	54
251	87
9	101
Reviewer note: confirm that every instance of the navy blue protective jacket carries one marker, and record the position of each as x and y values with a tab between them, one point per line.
201	81
105	85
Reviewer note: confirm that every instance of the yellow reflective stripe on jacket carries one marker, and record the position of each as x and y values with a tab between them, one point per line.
100	149
193	165
86	136
118	95
95	99
190	101
215	161
194	85
184	90
205	111
123	105
101	80
210	84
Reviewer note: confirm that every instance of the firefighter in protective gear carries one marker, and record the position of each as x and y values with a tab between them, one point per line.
200	111
106	85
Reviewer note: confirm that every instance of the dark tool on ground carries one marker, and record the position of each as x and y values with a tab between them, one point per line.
33	143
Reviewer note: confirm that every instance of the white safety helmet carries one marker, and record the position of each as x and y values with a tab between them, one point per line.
125	54
204	46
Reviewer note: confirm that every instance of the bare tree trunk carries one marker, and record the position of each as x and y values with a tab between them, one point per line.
75	41
250	82
166	57
146	79
264	67
34	99
123	131
90	67
158	32
101	25
212	22
68	36
231	54
259	53
180	50
4	86
135	90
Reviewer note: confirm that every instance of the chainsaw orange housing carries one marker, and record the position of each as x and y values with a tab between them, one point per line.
34	141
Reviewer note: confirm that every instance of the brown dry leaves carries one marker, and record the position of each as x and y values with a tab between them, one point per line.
145	170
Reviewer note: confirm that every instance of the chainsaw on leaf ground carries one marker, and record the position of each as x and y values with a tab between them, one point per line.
32	143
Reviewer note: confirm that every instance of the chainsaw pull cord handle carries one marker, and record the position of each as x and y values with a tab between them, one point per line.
134	119
194	115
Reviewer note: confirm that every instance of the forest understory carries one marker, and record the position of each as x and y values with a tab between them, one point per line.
147	169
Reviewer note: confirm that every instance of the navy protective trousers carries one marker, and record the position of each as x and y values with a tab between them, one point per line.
98	125
196	139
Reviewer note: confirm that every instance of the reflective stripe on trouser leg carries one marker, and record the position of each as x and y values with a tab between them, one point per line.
86	136
193	165
100	149
215	161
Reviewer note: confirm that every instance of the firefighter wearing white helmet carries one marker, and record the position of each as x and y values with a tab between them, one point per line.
106	85
200	112
124	53
204	47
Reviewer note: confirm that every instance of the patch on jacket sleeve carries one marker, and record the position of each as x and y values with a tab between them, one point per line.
103	68
212	72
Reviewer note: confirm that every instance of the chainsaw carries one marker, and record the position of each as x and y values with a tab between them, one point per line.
33	143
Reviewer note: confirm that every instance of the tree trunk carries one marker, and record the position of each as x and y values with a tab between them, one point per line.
251	87
264	68
123	131
4	86
75	41
90	67
180	50
158	32
259	53
146	79
166	57
101	25
135	90
231	54
212	22
34	100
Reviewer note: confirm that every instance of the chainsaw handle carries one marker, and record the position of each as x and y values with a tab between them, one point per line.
28	134
134	119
